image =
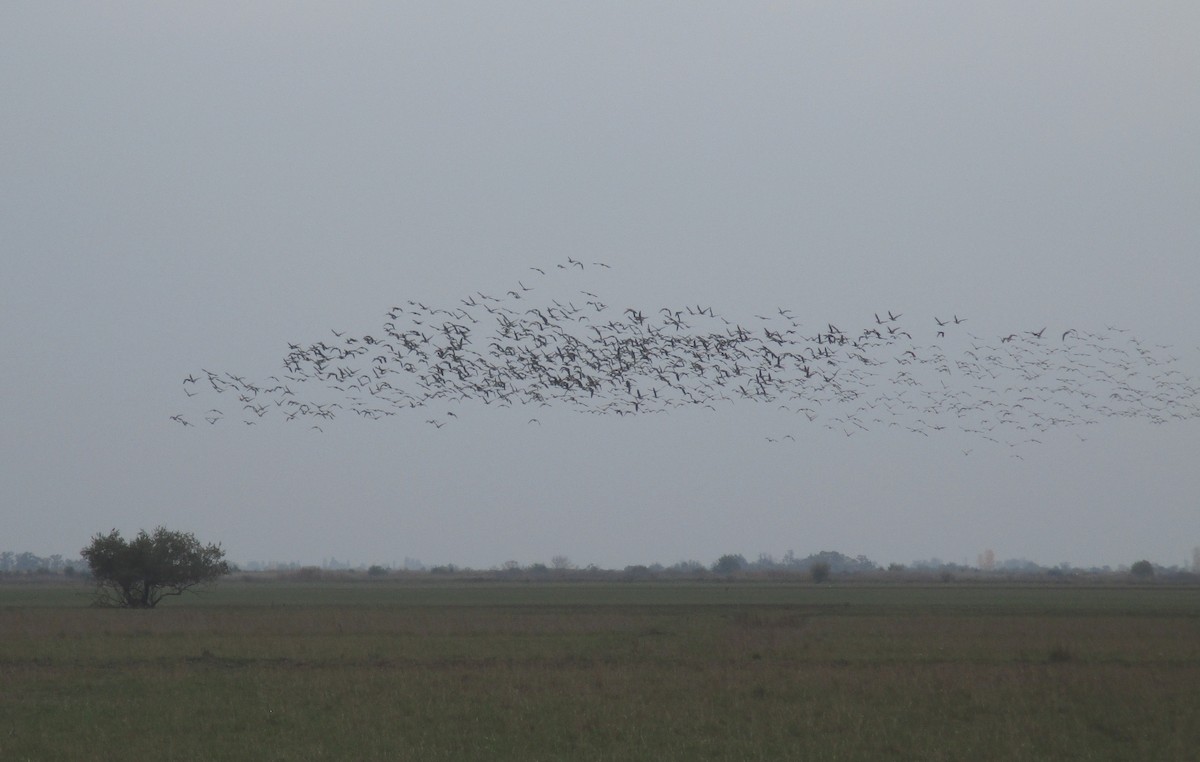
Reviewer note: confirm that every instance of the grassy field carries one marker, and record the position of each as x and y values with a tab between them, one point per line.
460	671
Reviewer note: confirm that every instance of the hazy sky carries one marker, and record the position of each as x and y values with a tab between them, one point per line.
189	186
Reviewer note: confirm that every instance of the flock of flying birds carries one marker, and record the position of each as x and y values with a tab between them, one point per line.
520	349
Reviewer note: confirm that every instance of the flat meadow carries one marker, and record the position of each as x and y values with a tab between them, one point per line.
396	669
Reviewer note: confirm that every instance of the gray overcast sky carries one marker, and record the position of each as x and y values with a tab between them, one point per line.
196	185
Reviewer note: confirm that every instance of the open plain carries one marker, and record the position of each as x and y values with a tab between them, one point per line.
398	669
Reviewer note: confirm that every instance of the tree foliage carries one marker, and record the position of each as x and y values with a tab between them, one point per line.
729	563
139	573
1142	569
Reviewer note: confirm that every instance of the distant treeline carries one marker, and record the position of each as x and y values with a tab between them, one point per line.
824	564
30	563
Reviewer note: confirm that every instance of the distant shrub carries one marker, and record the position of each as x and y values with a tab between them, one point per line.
377	571
1142	570
729	563
308	573
819	572
638	571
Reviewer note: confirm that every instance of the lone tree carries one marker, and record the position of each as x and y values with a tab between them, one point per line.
729	564
1142	570
141	572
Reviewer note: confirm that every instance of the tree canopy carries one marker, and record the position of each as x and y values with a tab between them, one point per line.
1142	569
139	573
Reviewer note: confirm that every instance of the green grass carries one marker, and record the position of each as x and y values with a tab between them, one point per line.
580	671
